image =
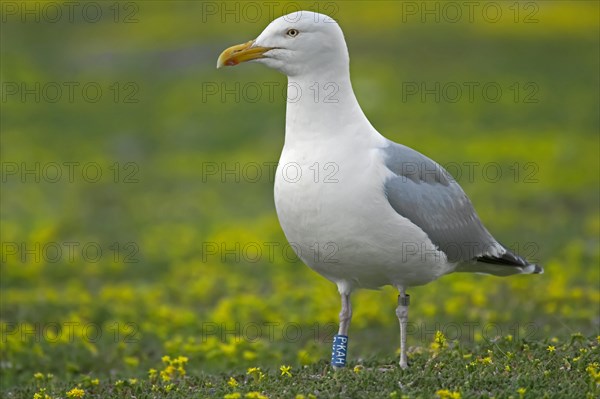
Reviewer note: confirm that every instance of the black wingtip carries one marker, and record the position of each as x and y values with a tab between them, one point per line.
537	269
512	260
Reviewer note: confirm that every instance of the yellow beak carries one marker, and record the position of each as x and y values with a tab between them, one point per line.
241	53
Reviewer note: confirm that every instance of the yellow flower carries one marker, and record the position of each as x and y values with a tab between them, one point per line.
358	368
75	393
521	392
285	370
507	368
41	394
152	374
95	381
132	381
256	373
235	395
551	348
439	342
232	382
169	388
249	355
38	376
592	370
255	395
447	394
486	360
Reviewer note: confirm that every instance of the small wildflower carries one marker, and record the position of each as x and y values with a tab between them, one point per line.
507	368
169	388
152	374
300	396
592	370
38	376
509	338
119	383
235	395
486	360
255	373
439	342
75	393
521	392
131	361
551	348
132	381
255	395
95	381
232	382
447	394
285	370
358	368
41	394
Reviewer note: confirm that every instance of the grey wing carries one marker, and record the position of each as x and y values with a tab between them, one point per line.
426	194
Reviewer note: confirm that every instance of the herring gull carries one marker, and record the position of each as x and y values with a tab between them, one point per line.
388	214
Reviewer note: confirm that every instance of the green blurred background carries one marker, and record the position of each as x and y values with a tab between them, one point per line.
171	221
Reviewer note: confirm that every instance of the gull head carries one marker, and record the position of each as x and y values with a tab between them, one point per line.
295	44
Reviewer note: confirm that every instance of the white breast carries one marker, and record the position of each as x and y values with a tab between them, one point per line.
334	213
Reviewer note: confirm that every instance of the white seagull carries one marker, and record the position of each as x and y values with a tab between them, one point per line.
359	209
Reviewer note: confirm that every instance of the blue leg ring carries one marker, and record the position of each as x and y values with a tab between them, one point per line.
339	350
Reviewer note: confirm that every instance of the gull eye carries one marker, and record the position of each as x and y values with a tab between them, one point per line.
292	32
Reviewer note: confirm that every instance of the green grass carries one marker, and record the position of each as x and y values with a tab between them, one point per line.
503	368
157	289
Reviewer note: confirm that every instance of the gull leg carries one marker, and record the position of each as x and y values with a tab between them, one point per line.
340	341
345	314
402	313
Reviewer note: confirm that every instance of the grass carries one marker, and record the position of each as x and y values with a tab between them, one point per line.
500	368
178	273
